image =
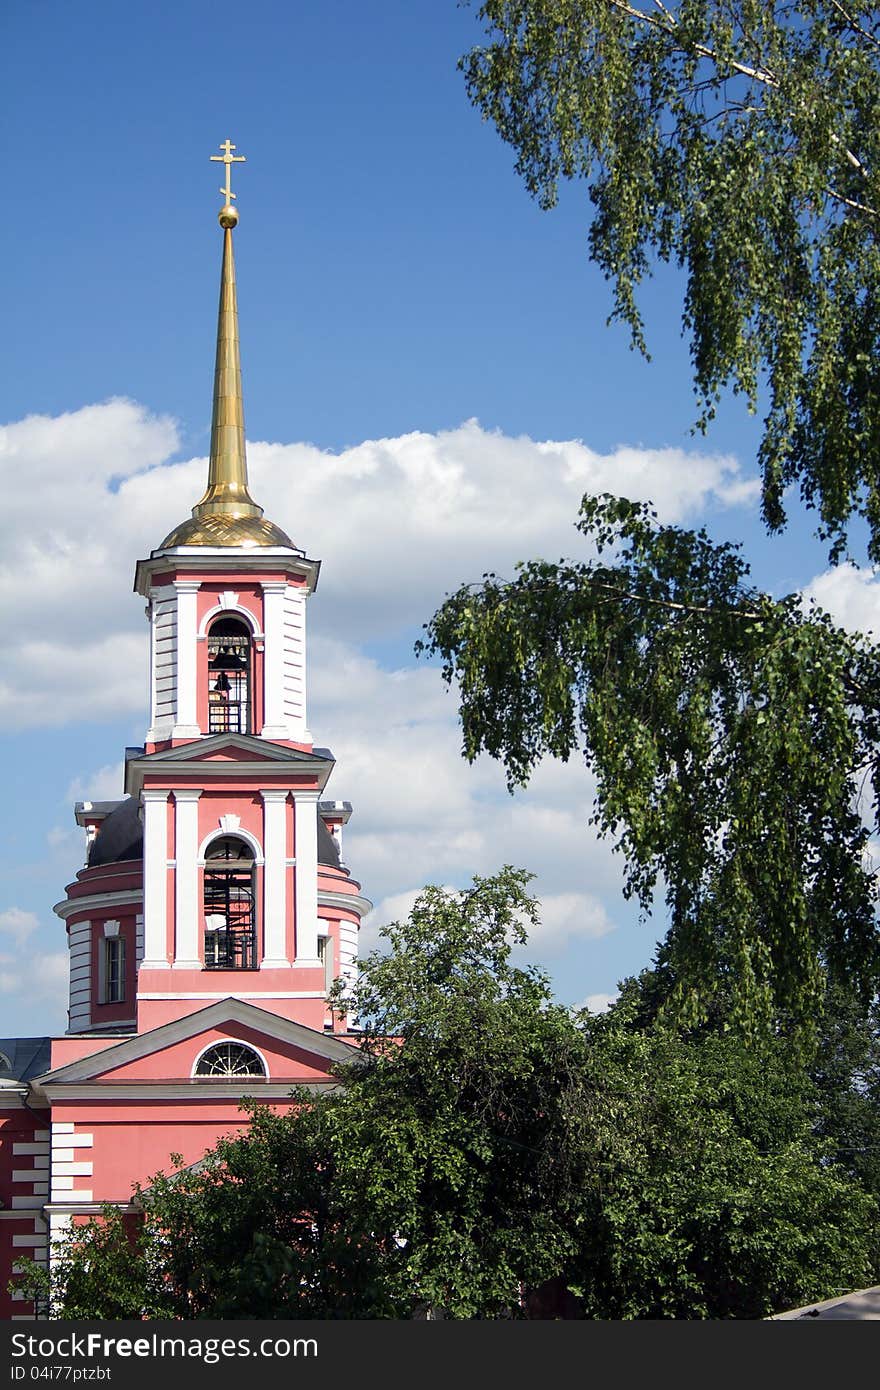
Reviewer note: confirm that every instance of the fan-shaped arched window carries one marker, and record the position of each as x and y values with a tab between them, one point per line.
230	1059
230	917
229	677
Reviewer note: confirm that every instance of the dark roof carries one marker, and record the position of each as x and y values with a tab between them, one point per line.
22	1058
120	836
328	850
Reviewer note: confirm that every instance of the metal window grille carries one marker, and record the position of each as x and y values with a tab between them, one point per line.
230	917
230	1059
114	970
229	678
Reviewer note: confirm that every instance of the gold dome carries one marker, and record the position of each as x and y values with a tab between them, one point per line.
220	529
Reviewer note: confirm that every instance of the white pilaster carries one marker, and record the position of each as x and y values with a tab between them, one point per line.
162	612
186	725
274	878
71	1161
155	879
274	724
305	848
80	992
186	901
295	663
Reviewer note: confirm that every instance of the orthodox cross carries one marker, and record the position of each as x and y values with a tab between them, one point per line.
228	158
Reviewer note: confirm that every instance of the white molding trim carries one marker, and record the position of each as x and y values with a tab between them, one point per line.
186	885
155	895
355	902
274	723
94	901
240	834
246	993
79	975
257	1086
274	879
228	1009
186	708
101	1028
230	609
305	877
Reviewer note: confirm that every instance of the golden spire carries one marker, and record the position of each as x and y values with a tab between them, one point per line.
227	514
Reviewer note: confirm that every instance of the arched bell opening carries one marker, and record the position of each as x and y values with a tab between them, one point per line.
230	666
229	899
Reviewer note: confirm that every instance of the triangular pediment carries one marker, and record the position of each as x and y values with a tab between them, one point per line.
234	747
324	1049
219	754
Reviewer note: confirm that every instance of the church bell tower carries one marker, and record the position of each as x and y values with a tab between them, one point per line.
220	873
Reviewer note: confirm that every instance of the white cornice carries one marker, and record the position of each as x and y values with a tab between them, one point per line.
244	993
353	901
59	1208
200	1089
215	771
13	1095
107	873
198	750
209	559
193	759
102	1027
96	900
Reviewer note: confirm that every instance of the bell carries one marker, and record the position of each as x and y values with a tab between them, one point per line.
225	660
222	683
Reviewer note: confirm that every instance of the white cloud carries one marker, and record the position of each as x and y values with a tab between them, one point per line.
18	924
71	535
597	1003
396	907
398	522
850	595
50	977
104	784
563	918
568	915
52	682
44	977
446	507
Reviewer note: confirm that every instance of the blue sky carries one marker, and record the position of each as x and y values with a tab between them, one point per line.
395	284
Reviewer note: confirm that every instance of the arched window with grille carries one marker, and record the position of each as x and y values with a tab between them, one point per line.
229	677
230	1059
229	905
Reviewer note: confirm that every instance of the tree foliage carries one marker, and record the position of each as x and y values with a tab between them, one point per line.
734	741
740	141
460	1116
711	1196
495	1155
257	1229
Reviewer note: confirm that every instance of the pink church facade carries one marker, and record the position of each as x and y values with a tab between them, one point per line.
214	911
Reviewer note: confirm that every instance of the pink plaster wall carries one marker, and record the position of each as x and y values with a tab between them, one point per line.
152	1013
176	1061
111	1014
134	1143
